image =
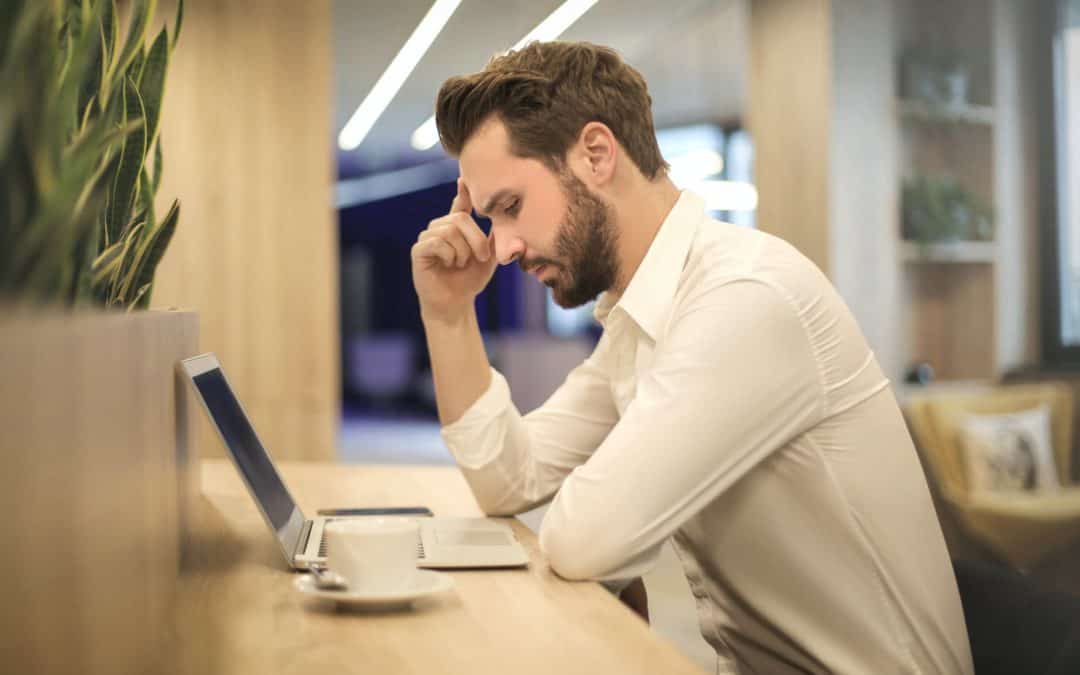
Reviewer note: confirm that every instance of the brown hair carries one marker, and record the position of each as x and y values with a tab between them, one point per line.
545	93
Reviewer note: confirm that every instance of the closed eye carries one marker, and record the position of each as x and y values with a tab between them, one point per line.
512	208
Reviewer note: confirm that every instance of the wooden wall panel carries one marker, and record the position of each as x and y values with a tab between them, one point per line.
248	149
951	319
788	111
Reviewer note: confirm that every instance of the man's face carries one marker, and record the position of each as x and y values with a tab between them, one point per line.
550	223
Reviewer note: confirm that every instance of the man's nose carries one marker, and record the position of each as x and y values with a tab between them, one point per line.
508	248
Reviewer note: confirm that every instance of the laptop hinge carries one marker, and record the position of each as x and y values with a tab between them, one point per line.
302	541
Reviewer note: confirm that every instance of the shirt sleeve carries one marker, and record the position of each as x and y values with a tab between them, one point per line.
514	463
734	380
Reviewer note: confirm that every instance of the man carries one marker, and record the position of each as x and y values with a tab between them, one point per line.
731	406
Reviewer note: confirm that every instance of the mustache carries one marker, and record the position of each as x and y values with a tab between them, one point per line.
530	265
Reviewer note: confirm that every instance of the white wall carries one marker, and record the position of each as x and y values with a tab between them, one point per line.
863	175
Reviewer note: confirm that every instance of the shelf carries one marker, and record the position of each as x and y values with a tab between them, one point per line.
971	252
924	111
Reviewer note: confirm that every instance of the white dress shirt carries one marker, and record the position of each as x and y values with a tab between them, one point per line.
733	406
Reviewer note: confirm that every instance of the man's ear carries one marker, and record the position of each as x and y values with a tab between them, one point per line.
597	149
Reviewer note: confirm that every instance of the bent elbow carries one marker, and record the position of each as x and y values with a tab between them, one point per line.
574	553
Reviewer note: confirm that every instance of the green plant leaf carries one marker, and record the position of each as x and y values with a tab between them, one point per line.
98	58
152	82
142	12
178	23
82	292
75	133
154	247
70	205
141	299
10	13
110	21
125	272
127	175
146	197
48	270
134	70
106	264
158	165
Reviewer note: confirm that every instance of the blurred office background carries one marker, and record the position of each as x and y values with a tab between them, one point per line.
925	154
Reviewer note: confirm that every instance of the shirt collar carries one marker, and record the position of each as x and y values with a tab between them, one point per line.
648	296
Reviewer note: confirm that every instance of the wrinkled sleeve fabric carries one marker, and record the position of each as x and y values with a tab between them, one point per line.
734	380
513	462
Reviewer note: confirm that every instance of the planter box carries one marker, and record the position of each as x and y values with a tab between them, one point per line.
97	482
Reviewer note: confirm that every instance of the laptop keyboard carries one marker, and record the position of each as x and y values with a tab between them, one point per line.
322	544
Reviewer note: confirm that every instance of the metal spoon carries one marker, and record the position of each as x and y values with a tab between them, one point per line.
328	580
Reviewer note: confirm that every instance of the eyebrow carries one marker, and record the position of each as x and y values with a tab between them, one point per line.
495	199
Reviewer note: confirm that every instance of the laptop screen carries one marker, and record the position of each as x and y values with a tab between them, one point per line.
250	456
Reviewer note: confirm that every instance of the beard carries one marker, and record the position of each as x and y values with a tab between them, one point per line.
585	244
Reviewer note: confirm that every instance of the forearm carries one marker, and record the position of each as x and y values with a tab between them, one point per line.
459	363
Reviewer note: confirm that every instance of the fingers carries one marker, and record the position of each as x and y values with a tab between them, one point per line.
463	201
474	236
434	248
463	241
452	236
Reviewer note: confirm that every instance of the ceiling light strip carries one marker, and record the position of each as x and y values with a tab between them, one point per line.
427	134
396	73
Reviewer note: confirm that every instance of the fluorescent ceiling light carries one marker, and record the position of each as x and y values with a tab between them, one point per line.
557	22
396	73
427	134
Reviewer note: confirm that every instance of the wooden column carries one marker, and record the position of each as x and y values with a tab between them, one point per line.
248	150
820	109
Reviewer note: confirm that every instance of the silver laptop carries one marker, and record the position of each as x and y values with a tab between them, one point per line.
444	542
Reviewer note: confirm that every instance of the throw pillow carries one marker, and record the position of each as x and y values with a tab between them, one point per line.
1011	452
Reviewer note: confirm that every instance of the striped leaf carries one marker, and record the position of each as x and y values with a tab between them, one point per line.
158	165
105	265
123	274
146	197
154	247
178	23
152	82
141	299
131	161
141	13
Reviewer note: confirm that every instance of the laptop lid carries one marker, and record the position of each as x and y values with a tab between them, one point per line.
248	454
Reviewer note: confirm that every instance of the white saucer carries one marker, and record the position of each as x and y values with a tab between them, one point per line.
425	583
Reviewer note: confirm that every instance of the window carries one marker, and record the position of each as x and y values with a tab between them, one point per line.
1061	214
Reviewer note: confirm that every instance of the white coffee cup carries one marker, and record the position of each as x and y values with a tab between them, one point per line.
373	554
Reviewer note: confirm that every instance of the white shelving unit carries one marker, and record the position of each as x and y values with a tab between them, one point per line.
916	110
961	252
949	290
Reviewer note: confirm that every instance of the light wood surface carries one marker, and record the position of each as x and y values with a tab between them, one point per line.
788	115
952	318
238	606
248	151
93	443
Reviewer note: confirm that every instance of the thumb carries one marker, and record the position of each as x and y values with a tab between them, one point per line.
463	201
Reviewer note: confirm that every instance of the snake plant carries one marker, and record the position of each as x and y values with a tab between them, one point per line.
80	152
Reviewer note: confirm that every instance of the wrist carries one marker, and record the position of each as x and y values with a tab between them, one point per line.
447	319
